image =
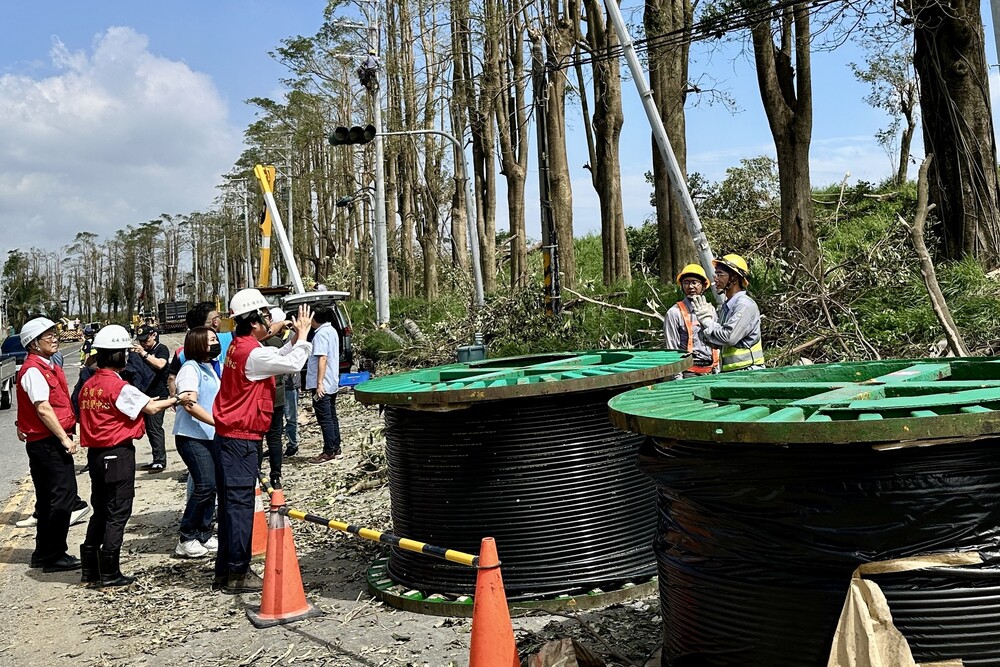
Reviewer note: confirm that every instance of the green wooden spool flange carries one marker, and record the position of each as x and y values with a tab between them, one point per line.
886	402
459	385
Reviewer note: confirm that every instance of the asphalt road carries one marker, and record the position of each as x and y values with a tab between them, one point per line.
13	460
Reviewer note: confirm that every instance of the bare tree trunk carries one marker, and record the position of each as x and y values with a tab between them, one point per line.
461	93
559	38
950	60
605	163
512	133
908	106
786	92
408	269
668	78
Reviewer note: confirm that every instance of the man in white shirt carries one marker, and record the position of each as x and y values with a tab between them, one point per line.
323	379
45	418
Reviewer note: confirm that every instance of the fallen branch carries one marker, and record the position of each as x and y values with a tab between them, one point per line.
799	349
614	306
414	332
938	301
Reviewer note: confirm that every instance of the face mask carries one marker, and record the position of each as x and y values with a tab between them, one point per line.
214	350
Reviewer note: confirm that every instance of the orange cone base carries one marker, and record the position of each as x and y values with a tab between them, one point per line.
261	620
283	599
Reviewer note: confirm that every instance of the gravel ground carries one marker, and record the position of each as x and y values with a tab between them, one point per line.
171	616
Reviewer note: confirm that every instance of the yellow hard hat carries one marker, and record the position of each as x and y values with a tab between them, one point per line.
694	270
735	264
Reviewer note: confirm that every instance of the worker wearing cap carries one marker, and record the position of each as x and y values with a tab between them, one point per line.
111	412
45	417
151	360
242	411
681	329
736	330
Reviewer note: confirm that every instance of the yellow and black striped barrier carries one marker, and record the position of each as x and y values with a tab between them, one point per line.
451	555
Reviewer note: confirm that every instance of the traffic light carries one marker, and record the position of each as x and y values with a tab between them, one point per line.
343	136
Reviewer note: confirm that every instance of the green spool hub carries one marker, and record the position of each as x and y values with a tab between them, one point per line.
459	385
897	401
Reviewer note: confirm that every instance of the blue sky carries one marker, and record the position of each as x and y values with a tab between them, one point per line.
115	112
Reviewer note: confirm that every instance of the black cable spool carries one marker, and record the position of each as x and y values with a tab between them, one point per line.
772	489
533	463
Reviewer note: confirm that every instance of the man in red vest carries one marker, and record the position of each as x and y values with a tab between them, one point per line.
242	412
45	416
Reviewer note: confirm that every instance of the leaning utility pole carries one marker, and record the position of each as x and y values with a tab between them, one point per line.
677	181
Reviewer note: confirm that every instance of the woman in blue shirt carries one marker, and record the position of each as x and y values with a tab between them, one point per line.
194	430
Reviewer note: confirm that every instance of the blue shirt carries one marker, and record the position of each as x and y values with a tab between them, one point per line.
208	387
326	343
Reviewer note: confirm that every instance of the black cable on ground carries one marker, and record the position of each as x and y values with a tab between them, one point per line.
757	544
548	477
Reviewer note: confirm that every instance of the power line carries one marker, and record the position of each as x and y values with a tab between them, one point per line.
714	27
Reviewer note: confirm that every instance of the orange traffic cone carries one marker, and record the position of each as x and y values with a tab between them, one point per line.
493	642
258	543
283	599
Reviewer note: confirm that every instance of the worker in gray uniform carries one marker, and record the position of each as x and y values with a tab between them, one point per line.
736	327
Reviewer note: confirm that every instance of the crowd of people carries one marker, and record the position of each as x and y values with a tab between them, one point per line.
232	392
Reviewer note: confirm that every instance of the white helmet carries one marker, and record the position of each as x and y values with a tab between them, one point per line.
277	314
32	329
247	301
112	337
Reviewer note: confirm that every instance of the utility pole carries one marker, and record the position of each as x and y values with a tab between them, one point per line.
381	243
677	181
550	242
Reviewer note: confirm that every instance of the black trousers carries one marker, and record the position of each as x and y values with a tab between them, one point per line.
157	439
54	479
275	452
112	481
235	481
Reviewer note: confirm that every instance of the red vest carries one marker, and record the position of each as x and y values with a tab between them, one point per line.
242	408
27	417
102	424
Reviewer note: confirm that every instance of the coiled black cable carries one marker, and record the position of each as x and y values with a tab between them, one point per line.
756	545
947	613
548	477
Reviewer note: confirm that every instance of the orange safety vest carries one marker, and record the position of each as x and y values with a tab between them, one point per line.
701	370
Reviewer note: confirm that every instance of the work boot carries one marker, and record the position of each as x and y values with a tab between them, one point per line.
219	582
64	563
90	571
111	571
248	582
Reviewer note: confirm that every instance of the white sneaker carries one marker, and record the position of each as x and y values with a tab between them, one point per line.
30	522
190	549
79	515
211	544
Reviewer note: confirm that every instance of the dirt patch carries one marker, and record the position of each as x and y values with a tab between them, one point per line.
171	616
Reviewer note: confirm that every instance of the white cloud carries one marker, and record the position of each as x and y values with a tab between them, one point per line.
115	137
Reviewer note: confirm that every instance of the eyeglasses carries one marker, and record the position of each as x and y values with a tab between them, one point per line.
51	335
